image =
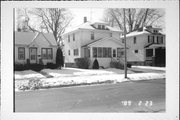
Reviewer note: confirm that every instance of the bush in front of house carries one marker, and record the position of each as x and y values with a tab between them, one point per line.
36	67
82	62
20	66
116	64
51	66
95	64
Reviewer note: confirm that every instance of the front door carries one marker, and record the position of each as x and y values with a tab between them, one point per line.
33	55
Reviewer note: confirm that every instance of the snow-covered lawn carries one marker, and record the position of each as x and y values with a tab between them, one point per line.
27	74
75	76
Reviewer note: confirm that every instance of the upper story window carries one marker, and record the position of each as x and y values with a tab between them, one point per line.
134	40
73	36
155	31
21	53
68	38
92	35
69	52
148	39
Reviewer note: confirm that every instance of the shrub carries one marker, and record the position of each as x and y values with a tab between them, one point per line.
82	63
95	64
36	67
51	65
20	67
116	64
128	65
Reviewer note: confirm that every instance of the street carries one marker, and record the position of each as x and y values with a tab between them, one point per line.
135	96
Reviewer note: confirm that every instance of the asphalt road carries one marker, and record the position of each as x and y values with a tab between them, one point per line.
140	96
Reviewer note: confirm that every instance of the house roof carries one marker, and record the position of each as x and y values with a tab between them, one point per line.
26	38
101	39
89	25
141	32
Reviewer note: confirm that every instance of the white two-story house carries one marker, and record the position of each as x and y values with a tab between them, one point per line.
93	40
146	47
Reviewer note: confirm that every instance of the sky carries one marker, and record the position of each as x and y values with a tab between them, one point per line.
92	14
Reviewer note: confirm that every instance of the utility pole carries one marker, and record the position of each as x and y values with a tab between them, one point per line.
125	52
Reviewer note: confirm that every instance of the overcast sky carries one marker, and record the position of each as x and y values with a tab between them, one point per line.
92	15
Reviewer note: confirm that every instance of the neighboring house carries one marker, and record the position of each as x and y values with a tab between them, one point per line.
93	40
35	46
147	47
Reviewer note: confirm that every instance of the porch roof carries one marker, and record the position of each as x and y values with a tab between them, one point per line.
154	45
102	39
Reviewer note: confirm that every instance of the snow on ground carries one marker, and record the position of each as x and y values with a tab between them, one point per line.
150	67
76	76
27	74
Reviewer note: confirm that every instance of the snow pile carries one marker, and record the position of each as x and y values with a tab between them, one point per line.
150	67
27	74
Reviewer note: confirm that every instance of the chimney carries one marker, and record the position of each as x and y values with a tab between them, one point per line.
85	19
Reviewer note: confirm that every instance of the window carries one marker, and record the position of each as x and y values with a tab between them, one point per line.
161	39
135	51
109	52
99	26
149	52
21	53
73	37
94	51
119	52
47	53
148	39
103	27
152	39
157	39
105	52
134	40
68	38
114	53
86	52
76	52
100	52
92	35
69	52
122	40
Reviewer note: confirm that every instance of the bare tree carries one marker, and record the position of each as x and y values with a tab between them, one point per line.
136	18
53	20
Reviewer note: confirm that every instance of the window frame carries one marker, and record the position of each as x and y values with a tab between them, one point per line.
19	58
136	51
92	36
47	55
76	52
69	38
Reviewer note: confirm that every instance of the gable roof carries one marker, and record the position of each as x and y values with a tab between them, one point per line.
26	38
88	25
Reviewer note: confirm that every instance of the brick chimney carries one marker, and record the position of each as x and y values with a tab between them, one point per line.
85	19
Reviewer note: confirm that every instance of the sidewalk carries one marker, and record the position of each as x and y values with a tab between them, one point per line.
150	67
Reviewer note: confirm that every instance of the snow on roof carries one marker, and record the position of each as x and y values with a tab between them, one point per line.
25	38
88	25
135	33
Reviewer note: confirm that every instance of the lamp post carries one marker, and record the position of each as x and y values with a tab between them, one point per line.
125	54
